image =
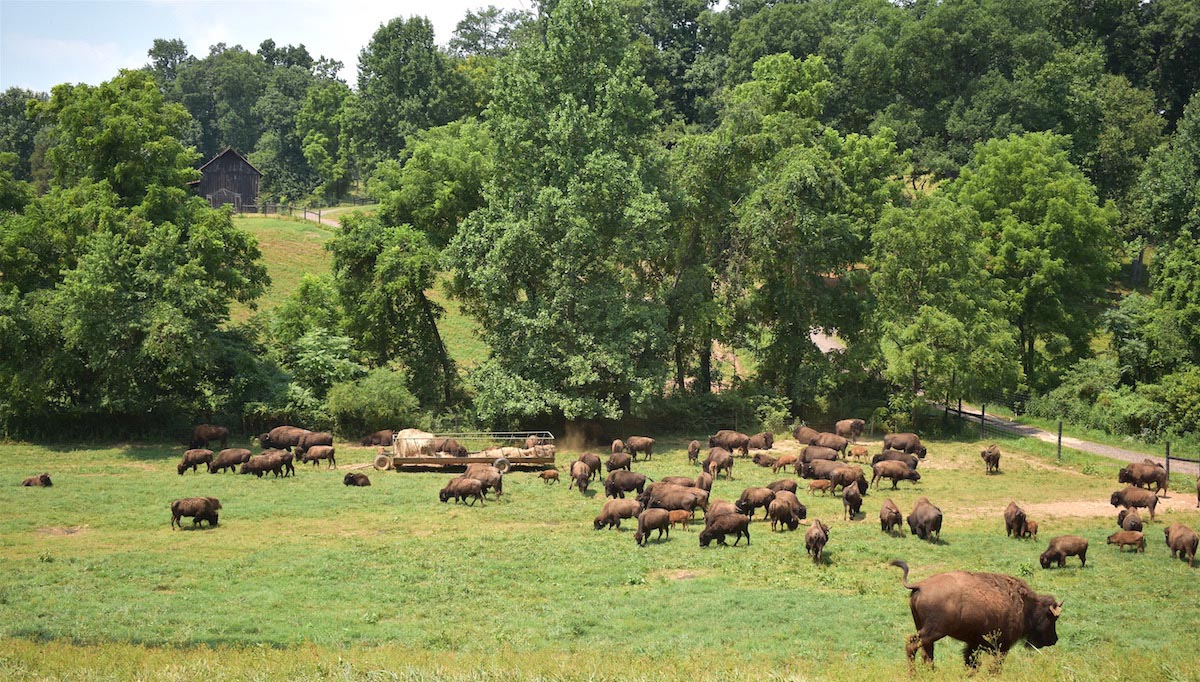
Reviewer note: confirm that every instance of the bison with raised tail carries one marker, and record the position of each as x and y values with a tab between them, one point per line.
986	611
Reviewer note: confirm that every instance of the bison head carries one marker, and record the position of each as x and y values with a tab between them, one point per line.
1124	476
1046	558
1041	617
444	495
1115	500
44	479
914	476
705	537
921	451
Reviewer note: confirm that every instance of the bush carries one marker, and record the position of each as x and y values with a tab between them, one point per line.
380	400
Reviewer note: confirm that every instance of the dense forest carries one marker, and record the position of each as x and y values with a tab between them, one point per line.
978	198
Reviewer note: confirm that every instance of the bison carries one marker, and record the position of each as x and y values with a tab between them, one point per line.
282	437
679	517
730	440
1131	538
682	481
925	520
642	444
985	611
198	508
762	441
1014	521
614	510
716	528
820	468
895	471
1062	547
549	476
859	452
991	458
491	478
229	459
764	460
832	441
620	482
356	479
1182	541
453	447
896	456
1128	519
851	501
1031	528
671	497
718	508
694	452
781	514
204	433
650	520
784	461
818	486
194	458
704	481
620	460
815	540
783	484
847	474
1142	474
593	461
316	453
618	445
850	428
313	439
269	461
39	481
1131	497
753	498
581	475
905	442
815	452
383	437
719	459
804	435
462	488
890	518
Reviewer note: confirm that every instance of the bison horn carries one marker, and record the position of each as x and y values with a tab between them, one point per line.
1056	609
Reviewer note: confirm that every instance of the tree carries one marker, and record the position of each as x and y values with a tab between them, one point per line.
165	58
279	153
563	266
488	32
323	128
220	92
1173	33
18	130
1052	244
1167	203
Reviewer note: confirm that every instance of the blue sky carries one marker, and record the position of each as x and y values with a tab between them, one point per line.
46	42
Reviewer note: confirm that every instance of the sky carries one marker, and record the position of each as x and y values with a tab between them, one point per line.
47	42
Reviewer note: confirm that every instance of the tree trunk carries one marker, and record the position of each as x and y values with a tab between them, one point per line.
440	348
704	379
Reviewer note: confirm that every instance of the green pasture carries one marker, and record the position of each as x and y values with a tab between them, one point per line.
291	249
305	578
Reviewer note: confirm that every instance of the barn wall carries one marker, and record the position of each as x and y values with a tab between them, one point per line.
231	174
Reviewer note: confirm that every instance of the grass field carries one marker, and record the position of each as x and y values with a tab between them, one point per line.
307	579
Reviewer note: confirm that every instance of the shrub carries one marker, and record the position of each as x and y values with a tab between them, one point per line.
379	400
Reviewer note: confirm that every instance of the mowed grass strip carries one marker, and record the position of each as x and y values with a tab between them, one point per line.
525	587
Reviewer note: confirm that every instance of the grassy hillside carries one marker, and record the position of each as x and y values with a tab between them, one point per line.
305	578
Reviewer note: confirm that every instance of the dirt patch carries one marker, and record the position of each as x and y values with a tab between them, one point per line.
678	575
62	530
1099	508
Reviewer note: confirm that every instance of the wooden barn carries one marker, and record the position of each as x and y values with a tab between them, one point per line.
228	178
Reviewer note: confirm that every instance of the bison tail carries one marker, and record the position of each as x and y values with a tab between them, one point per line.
903	567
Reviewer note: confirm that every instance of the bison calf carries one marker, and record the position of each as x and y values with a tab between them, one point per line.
39	481
356	479
1131	538
316	453
1062	547
890	518
198	508
680	517
1031	528
551	476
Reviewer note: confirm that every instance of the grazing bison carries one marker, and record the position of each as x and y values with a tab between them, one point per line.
821	468
491	478
815	540
832	441
896	456
356	479
620	460
1062	547
851	501
1131	497
762	441
1129	519
716	528
784	484
679	517
313	439
991	458
282	437
316	453
925	520
804	435
39	481
694	452
383	437
1014	521
194	458
719	459
461	489
790	499
730	440
614	510
671	497
229	459
781	513
682	481
850	428
704	481
986	611
549	476
890	518
642	444
1182	541
204	433
1131	538
718	508
753	498
651	520
905	442
268	461
593	461
1031	528
818	486
764	460
198	508
847	474
452	447
620	482
896	471
581	475
618	445
1142	474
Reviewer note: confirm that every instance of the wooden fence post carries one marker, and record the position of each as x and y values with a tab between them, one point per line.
1060	440
982	417
1168	459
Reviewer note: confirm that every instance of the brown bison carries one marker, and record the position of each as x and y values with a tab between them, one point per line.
730	440
716	528
357	479
229	459
642	444
549	476
672	497
784	484
614	510
1182	541
1142	474
487	474
620	482
858	452
804	435
890	518
991	458
316	453
753	498
198	508
719	459
718	508
618	445
832	441
1031	528
694	452
581	475
925	520
682	481
814	452
1131	497
847	474
383	437
704	481
850	428
679	517
461	489
39	481
593	461
204	433
313	439
793	502
269	461
764	460
1062	547
818	486
905	442
815	540
782	514
452	447
620	460
1014	521
896	456
762	441
895	471
851	501
651	520
986	611
194	458
282	437
1128	519
784	461
1130	538
821	468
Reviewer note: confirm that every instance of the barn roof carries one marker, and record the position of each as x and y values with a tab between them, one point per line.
230	150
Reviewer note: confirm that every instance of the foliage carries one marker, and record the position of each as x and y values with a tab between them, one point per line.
488	32
322	124
380	399
1169	187
17	129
